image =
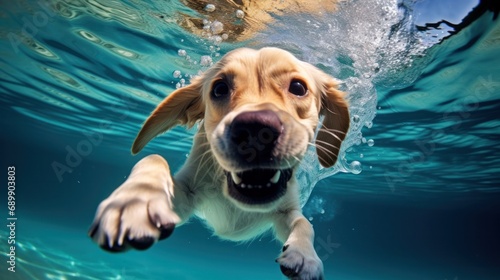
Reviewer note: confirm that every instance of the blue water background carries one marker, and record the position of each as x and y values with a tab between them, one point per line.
424	206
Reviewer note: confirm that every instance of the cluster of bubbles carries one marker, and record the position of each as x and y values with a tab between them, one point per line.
214	30
213	35
178	75
204	62
355	166
211	8
319	207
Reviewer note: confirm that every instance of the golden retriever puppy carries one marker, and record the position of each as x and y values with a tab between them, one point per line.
257	111
242	19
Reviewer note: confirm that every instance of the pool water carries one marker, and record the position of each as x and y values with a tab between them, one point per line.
416	191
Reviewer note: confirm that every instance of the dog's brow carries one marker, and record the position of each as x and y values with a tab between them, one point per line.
279	69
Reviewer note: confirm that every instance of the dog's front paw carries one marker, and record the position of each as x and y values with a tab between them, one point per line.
300	263
133	217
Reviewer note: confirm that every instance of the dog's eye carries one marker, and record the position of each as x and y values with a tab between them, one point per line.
220	89
297	88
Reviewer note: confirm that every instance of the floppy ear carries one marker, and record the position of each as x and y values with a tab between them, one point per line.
335	124
182	107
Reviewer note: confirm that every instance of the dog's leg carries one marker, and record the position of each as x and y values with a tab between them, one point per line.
142	210
298	259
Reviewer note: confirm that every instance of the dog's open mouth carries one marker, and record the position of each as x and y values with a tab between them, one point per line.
258	186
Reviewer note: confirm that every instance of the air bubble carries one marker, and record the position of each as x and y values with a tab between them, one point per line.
181	52
210	8
355	167
322	211
370	142
217	39
216	27
369	124
177	74
240	14
361	156
224	36
205	60
355	119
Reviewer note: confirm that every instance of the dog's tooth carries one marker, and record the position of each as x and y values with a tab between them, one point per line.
243	186
276	177
268	185
236	178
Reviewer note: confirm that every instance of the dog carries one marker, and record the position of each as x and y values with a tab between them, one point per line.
257	111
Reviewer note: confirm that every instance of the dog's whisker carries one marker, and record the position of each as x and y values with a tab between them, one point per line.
296	158
189	137
334	131
321	147
203	145
326	128
202	162
340	131
331	133
331	154
324	143
322	158
330	111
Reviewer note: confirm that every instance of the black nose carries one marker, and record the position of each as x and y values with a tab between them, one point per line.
254	135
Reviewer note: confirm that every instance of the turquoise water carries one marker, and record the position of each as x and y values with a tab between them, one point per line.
415	195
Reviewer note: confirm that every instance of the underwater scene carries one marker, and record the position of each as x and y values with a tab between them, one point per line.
414	194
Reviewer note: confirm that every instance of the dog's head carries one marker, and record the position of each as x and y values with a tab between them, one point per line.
260	109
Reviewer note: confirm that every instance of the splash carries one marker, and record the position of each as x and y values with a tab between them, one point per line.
360	51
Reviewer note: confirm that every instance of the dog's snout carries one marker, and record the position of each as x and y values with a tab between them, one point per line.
255	134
